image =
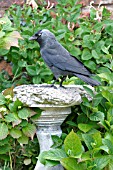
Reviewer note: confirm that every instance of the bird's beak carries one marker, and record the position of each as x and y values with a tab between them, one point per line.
33	37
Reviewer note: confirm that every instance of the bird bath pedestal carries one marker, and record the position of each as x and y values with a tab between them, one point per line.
56	106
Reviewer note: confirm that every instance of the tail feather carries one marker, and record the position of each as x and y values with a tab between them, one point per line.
88	80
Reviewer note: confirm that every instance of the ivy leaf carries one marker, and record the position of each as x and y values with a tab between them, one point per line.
97	99
88	41
15	105
105	49
97	116
88	139
72	164
95	54
54	154
23	139
101	162
72	145
108	95
85	127
86	55
15	133
13	117
31	70
29	130
24	113
90	64
109	144
4	149
2	99
3	131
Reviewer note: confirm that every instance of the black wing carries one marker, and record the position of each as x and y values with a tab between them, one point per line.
61	58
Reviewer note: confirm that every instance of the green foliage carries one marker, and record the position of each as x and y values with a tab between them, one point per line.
90	144
16	129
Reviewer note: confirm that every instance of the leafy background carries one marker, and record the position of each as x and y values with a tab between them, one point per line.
90	144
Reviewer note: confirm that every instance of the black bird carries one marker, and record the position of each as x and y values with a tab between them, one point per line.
59	60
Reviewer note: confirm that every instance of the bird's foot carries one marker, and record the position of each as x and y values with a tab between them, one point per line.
62	86
52	85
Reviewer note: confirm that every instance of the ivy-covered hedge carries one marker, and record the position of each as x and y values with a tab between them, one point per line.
87	139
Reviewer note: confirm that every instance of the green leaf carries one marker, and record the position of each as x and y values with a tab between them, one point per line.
5	141
36	79
22	63
97	99
3	51
3	131
71	123
6	23
29	130
13	117
88	139
75	51
105	49
72	164
98	26
86	55
15	133
89	90
110	165
95	54
24	123
24	113
109	144
109	29
98	139
54	154
97	116
4	149
57	141
50	163
85	127
109	136
23	139
31	70
88	41
110	115
90	64
72	145
101	162
108	95
15	105
106	76
2	99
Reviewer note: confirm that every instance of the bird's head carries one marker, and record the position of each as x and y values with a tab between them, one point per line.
42	36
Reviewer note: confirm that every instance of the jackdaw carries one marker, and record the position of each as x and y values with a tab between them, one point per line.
59	60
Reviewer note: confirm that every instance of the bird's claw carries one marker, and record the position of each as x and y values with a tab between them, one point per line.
53	86
62	87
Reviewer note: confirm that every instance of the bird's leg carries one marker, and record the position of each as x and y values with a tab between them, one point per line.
62	79
53	84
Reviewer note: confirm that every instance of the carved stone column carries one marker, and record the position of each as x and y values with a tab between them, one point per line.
56	106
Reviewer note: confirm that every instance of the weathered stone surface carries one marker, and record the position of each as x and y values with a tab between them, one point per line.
47	96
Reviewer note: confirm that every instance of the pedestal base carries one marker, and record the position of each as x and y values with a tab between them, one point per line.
47	125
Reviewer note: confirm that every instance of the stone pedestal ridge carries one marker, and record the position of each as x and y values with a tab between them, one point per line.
56	106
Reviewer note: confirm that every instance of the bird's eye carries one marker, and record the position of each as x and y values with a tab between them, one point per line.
39	34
